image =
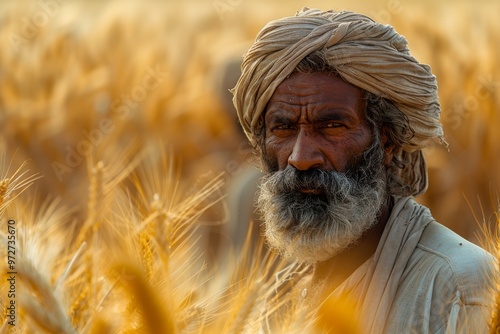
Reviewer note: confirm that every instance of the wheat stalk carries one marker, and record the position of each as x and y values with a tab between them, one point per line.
156	315
243	314
494	239
5	327
48	313
96	197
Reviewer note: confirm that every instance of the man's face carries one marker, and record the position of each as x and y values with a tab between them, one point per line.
326	183
316	121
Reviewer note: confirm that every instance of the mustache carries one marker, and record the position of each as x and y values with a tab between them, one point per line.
292	180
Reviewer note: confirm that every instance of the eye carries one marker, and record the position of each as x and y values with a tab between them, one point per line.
283	130
283	127
333	125
332	128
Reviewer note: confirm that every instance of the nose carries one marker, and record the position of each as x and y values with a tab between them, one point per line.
306	153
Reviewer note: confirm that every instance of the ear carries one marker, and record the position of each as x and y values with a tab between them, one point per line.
388	147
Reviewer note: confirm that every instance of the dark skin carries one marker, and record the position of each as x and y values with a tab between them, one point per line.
318	121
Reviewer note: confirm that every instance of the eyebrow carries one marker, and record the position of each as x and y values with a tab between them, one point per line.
282	115
278	106
333	115
280	112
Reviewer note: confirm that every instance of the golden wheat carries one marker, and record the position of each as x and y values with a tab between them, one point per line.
100	101
3	190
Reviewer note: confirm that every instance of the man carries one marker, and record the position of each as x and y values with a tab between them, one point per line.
340	112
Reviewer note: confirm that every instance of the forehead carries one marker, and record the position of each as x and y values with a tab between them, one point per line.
315	92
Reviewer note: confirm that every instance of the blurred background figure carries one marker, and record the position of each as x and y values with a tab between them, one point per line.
242	170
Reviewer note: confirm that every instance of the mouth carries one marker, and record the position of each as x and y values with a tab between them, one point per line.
310	191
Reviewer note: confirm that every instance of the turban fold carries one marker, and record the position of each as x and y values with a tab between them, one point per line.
369	55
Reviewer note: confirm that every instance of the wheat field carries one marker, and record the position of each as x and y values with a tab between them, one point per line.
118	147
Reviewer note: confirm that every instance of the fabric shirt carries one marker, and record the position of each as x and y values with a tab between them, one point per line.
423	278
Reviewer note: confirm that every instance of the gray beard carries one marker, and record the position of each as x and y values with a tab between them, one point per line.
309	228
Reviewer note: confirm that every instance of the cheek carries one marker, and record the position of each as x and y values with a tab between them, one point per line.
341	154
275	155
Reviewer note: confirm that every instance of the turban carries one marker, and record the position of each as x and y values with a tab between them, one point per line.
369	55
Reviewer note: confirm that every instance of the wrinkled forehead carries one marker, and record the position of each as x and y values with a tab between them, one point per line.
316	87
317	96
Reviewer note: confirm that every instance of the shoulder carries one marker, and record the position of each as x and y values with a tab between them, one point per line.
460	254
465	264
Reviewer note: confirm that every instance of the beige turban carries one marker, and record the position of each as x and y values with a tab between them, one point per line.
367	54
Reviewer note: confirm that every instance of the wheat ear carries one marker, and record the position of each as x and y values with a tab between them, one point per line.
147	253
3	190
49	314
495	320
14	185
156	315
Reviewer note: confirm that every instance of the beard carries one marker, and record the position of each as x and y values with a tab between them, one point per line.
313	227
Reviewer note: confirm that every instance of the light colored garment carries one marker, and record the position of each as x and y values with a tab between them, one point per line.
423	278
